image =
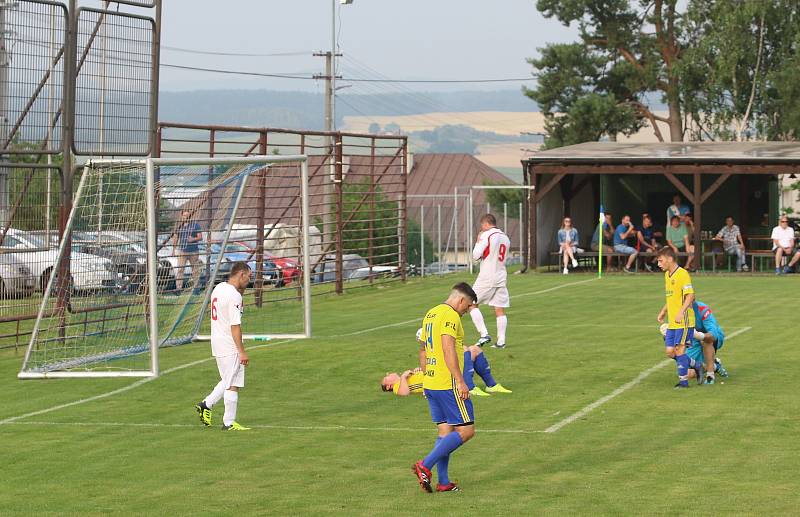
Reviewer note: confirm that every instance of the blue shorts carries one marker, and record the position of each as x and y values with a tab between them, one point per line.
446	407
677	337
624	248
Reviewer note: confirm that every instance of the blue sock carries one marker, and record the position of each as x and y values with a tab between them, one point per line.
442	449
441	467
683	368
484	370
469	370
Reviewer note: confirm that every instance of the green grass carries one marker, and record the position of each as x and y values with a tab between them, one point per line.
726	449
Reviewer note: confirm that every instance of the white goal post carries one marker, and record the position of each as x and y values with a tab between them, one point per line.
145	243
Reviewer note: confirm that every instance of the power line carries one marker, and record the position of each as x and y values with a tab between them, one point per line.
240	54
238	72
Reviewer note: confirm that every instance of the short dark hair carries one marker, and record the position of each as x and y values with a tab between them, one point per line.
728	217
238	267
666	251
488	218
466	289
674	217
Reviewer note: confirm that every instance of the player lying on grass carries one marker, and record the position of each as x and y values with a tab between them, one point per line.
410	381
708	339
444	387
680	318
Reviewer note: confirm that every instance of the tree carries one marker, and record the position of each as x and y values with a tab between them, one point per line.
374	128
740	69
627	50
496	198
384	222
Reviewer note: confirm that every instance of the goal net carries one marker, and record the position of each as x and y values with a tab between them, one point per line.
145	244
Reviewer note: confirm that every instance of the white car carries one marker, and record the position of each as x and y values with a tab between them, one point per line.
89	272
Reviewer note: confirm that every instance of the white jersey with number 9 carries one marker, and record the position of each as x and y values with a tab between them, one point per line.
491	249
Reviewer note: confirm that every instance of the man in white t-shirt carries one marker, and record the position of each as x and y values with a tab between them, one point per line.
783	244
226	347
491	248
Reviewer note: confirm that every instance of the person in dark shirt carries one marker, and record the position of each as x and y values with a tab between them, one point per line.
185	242
646	241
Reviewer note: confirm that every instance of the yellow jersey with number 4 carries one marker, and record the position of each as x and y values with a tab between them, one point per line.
678	285
439	321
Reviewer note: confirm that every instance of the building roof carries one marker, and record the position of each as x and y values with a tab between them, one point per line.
440	173
611	153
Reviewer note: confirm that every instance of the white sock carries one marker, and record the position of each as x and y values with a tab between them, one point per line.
502	324
231	399
215	395
477	319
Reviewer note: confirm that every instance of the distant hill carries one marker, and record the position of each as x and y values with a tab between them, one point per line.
301	110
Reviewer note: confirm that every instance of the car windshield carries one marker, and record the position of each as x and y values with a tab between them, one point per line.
232	247
35	240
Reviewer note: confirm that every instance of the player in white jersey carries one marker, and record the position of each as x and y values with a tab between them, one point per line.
226	347
491	248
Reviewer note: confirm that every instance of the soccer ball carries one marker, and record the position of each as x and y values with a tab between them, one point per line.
663	329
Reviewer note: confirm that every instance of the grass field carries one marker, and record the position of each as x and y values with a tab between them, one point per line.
327	441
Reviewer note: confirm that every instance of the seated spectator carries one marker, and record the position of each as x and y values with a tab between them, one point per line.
688	222
732	243
783	244
646	240
678	240
657	233
608	236
676	208
568	244
621	234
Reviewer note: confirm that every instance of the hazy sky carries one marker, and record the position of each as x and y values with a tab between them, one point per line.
408	39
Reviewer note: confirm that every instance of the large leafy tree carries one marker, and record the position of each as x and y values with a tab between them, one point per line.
740	71
627	50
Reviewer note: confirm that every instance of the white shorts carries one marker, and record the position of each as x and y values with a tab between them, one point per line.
231	371
492	296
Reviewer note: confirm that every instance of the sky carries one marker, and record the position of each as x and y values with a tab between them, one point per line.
409	39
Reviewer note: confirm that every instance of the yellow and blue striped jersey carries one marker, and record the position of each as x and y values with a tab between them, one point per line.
677	286
414	383
439	321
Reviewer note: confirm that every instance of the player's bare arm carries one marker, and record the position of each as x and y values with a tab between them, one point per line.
402	388
236	332
451	360
661	314
687	305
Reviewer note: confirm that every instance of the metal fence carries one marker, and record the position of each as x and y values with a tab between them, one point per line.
74	80
357	196
443	229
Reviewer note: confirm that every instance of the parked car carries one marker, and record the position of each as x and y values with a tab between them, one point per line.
354	267
441	268
88	272
234	252
289	267
129	259
16	280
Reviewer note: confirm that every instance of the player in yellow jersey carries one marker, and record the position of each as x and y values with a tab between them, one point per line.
678	310
410	381
445	389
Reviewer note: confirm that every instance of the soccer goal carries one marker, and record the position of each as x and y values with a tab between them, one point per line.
146	242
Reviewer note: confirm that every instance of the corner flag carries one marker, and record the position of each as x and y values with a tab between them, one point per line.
600	246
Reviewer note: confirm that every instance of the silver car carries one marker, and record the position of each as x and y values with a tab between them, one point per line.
16	280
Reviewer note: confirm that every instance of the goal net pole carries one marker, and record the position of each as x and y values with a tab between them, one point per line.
63	353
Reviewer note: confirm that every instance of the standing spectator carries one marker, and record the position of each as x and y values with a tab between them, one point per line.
608	236
187	235
646	240
732	243
621	234
783	244
676	208
568	244
678	240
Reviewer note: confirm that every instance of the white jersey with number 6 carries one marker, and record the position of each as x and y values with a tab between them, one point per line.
491	249
226	310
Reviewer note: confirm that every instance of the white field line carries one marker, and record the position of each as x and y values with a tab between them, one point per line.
625	387
156	425
416	320
124	388
200	361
